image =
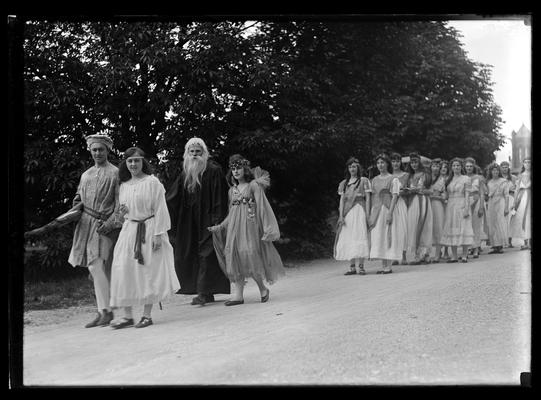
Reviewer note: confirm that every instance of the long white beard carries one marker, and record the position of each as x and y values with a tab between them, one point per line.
193	170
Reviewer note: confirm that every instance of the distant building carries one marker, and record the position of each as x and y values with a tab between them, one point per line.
521	143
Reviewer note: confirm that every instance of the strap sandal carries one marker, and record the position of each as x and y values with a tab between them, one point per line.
362	271
106	318
145	321
123	323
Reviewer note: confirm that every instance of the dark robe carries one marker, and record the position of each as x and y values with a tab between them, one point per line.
191	214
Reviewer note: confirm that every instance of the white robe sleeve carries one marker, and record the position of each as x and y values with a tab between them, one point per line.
162	221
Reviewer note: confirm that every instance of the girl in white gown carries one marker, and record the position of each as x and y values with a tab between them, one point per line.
385	225
401	209
497	210
511	186
143	271
351	241
520	225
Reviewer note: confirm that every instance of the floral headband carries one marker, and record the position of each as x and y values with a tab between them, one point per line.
239	163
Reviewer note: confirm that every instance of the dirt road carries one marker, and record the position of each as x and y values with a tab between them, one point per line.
428	324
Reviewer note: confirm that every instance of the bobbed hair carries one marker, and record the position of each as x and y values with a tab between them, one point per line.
123	172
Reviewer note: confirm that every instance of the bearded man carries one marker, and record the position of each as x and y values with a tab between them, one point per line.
196	200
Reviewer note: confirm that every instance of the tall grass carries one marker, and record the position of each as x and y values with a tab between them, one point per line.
75	292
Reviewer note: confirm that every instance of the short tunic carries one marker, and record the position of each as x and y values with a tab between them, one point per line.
133	283
98	191
498	190
457	230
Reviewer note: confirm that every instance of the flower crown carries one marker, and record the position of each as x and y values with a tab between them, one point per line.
239	163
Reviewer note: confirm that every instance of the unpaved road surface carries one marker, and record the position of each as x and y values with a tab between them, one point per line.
429	324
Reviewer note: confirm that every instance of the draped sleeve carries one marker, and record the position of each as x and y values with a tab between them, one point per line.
162	220
395	186
467	185
341	187
367	186
266	216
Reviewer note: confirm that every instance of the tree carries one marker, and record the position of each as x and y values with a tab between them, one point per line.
296	97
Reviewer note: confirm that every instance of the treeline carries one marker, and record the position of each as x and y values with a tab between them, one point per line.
296	97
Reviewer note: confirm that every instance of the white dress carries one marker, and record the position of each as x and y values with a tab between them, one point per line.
352	237
520	224
152	277
386	240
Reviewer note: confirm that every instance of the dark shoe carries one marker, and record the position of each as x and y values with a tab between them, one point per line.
362	271
123	323
351	272
380	271
495	251
524	247
511	246
450	261
235	302
106	318
475	256
416	262
387	272
403	262
145	321
464	259
395	262
202	299
94	322
435	261
265	298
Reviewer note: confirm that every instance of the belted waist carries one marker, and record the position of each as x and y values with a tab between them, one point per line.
140	238
96	214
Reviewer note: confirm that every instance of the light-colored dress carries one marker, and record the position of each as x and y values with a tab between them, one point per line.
401	210
419	218
520	226
498	190
98	191
438	210
512	187
457	230
352	237
243	241
386	240
139	274
475	204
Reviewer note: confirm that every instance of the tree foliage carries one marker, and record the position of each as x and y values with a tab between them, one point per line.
296	97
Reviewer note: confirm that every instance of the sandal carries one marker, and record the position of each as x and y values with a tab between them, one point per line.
362	271
464	259
145	321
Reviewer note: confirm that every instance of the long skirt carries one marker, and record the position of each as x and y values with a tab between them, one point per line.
352	237
477	224
457	230
387	240
438	219
497	221
420	221
133	283
521	225
508	226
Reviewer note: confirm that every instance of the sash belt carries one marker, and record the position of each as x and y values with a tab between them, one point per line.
140	239
95	214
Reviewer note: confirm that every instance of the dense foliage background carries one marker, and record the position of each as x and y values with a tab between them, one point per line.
295	97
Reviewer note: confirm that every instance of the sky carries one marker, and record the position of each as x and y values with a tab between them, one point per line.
506	45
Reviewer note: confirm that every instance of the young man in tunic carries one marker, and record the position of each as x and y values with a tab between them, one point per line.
197	199
92	247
